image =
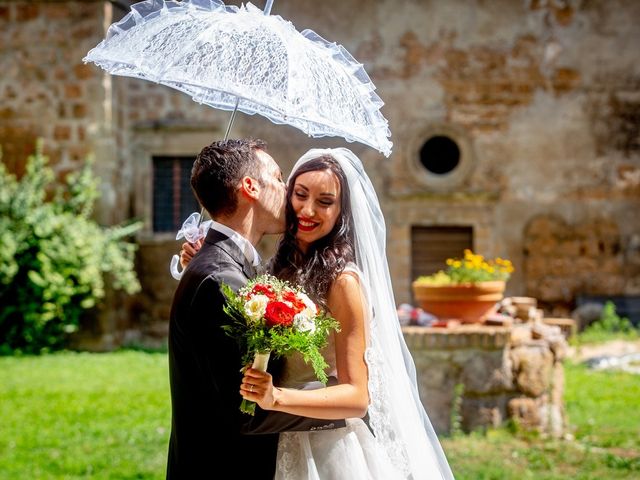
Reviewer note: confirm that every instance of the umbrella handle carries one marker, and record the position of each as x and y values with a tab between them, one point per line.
175	261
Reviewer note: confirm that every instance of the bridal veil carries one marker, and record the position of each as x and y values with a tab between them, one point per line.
397	416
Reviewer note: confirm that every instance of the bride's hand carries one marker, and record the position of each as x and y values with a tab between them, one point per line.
257	386
188	251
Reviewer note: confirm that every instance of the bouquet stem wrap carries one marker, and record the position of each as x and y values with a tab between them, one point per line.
260	362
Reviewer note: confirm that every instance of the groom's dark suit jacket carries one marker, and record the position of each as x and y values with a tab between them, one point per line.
204	368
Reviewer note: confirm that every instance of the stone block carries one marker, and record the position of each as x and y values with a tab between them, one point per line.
586	264
551	289
559	264
55	11
489	411
499	320
525	411
567	326
438	404
565	79
26	12
536	266
520	334
72	90
487	372
532	365
552	420
79	110
437	379
557	385
611	265
546	226
62	132
84	72
569	248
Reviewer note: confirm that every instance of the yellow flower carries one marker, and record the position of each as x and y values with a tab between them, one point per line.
471	268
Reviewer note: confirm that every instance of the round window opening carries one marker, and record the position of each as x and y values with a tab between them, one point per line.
440	155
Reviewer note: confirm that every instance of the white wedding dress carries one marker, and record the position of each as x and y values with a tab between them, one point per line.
403	443
345	453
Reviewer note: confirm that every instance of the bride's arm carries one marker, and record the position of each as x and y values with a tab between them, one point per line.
348	399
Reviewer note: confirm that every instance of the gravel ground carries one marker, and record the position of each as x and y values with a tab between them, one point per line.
617	354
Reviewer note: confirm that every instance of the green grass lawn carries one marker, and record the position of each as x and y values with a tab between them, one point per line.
603	410
80	415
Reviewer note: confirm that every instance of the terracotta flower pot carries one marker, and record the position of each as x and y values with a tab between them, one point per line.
468	303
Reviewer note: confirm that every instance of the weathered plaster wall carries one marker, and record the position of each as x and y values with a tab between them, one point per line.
547	99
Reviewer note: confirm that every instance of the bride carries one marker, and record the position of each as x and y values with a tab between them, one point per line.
334	245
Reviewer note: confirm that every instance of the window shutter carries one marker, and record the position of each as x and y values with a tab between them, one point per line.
431	246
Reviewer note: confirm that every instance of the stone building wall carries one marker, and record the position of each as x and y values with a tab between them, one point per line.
547	112
563	259
45	89
541	97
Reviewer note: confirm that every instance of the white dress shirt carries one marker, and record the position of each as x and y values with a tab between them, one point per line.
245	246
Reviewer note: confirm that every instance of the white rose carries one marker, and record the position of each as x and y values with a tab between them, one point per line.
309	312
307	301
310	307
255	307
304	323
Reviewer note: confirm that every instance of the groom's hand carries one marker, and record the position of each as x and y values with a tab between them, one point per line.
188	251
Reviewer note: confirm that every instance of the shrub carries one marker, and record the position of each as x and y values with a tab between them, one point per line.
54	258
609	323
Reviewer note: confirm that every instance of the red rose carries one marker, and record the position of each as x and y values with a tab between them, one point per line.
279	313
297	304
261	289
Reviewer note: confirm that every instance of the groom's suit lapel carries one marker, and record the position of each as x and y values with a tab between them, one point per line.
224	243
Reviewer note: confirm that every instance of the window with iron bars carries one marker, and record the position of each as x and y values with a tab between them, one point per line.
173	199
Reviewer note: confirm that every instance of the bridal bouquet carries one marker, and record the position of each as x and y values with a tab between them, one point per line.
271	316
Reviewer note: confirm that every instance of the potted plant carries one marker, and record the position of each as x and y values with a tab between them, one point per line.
466	290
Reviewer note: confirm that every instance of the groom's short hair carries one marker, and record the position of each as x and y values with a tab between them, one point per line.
218	170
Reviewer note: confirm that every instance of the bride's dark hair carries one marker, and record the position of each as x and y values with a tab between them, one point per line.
327	257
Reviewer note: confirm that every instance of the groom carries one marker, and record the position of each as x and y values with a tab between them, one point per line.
241	187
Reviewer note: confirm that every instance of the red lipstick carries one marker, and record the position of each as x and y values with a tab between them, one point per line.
306	225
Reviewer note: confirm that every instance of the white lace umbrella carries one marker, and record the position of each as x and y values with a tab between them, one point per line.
243	58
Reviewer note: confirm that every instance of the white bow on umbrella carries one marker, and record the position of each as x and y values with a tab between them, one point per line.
243	58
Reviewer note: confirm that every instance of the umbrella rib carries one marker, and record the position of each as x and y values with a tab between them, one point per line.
267	7
233	116
226	136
